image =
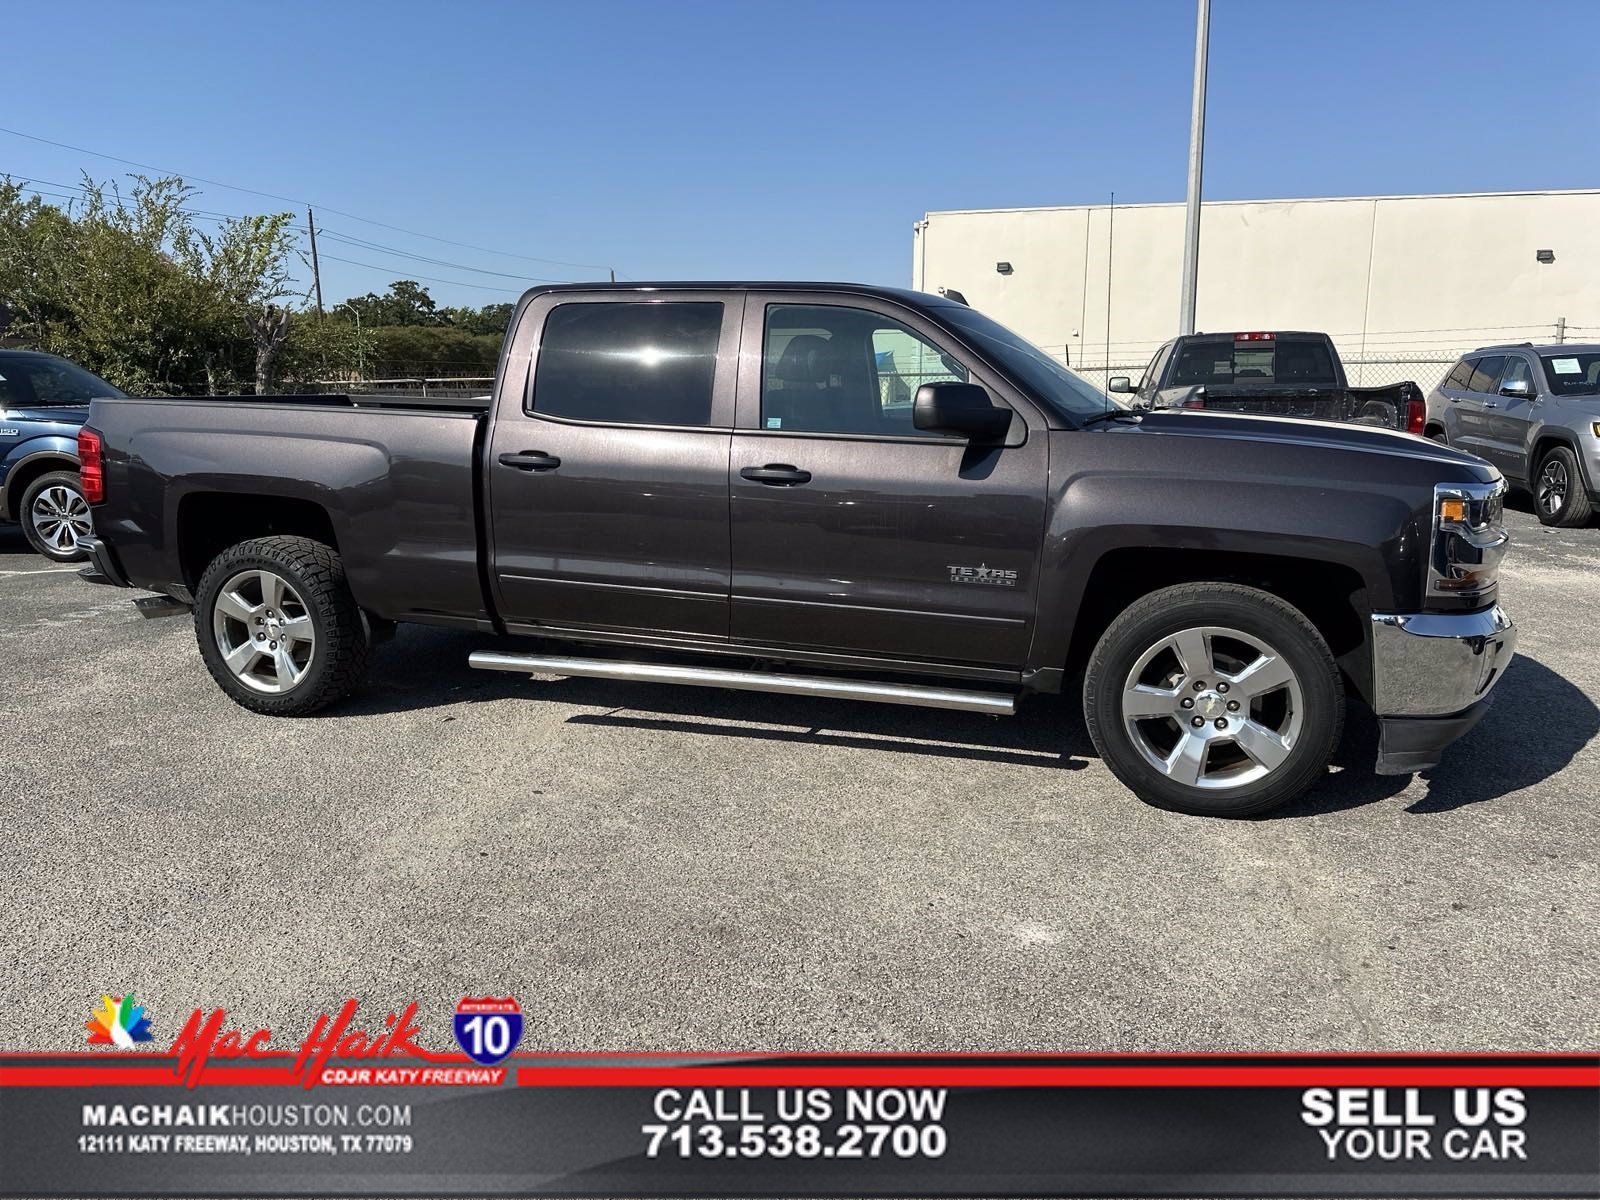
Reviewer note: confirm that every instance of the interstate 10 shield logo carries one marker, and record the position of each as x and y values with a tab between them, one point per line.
488	1029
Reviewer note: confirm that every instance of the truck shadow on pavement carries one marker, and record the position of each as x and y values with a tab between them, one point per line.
1538	723
1536	726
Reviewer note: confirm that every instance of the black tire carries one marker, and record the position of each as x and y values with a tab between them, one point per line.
1436	434
54	482
1259	615
341	642
1575	507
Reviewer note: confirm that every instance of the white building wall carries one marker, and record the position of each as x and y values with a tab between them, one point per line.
1400	279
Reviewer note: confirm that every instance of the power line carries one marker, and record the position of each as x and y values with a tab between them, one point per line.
335	235
298	203
430	278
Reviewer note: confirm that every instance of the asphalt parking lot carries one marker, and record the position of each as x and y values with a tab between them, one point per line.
677	869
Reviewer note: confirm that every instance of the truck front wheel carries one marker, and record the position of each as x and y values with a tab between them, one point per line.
1214	699
277	626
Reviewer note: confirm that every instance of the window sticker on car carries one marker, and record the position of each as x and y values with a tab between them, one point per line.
1565	366
774	422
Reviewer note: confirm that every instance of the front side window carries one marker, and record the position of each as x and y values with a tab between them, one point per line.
1486	373
1516	372
629	363
831	369
1150	383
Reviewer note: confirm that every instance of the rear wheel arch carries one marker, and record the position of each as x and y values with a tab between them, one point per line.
208	523
27	469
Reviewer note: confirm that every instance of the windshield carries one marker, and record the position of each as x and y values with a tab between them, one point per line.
43	381
1576	374
1259	359
1048	379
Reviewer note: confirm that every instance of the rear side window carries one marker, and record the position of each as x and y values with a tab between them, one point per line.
1460	376
629	364
1486	373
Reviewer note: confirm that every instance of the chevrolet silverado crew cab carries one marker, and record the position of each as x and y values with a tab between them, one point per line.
839	491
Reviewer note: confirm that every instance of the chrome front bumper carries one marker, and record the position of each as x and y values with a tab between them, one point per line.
1438	664
1431	677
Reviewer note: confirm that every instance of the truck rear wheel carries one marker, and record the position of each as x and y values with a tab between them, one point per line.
1214	699
277	626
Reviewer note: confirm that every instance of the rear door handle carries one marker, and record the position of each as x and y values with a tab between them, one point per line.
531	460
776	475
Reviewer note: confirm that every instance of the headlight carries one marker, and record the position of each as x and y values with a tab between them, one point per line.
1469	540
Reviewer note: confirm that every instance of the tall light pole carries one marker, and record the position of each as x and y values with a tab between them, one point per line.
1197	150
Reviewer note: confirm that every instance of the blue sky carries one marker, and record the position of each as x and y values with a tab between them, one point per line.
792	140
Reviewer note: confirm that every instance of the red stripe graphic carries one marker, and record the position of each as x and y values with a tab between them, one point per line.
112	1074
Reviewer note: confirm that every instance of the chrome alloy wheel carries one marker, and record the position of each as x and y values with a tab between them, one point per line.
1213	707
1553	485
263	631
61	518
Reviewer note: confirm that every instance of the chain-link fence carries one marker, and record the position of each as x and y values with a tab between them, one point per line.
462	387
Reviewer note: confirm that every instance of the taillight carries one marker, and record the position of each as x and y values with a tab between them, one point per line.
91	466
1194	402
1416	415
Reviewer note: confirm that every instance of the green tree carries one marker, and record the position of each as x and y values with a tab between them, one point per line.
405	303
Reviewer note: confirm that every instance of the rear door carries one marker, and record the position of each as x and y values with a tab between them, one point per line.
1507	419
1472	409
855	532
608	482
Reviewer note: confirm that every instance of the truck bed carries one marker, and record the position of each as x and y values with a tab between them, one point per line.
398	482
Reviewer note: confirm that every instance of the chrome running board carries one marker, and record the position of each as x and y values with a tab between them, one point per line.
996	703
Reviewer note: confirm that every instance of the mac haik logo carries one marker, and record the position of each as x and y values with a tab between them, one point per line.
983	574
118	1022
488	1029
208	1036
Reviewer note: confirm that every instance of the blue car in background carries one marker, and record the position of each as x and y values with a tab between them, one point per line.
43	401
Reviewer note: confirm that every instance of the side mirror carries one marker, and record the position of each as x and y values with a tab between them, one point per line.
1517	389
959	408
1119	383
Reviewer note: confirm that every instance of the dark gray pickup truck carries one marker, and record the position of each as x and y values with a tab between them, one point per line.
1274	373
838	491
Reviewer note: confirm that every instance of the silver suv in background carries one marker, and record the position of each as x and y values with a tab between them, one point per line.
1534	412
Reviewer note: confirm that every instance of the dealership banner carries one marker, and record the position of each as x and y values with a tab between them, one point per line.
367	1110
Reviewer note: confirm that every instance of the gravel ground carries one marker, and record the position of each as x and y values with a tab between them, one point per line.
678	869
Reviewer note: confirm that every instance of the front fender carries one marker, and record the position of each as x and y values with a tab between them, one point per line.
46	447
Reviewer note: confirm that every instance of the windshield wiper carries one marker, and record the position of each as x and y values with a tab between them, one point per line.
1111	414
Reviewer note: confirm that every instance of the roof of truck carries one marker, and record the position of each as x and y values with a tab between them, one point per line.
905	295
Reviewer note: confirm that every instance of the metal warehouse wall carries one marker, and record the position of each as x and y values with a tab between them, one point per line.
1399	281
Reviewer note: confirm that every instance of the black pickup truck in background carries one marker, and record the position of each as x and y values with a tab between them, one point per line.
1279	374
722	485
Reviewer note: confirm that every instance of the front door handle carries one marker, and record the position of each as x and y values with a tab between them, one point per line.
531	460
776	475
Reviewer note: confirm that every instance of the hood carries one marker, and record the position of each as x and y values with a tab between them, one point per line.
61	414
1292	431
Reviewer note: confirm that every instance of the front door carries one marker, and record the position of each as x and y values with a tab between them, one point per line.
608	488
853	531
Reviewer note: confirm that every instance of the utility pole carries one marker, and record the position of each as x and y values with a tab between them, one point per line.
613	274
316	271
1197	148
1561	330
